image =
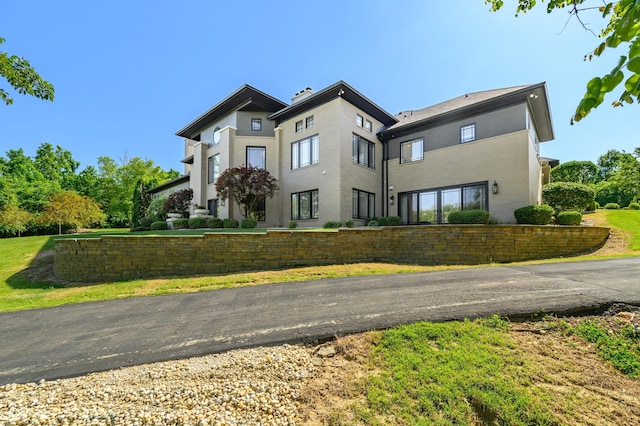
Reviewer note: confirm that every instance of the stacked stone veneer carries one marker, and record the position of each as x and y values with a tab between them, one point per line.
113	258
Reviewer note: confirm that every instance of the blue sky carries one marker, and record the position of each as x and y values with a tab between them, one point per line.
129	74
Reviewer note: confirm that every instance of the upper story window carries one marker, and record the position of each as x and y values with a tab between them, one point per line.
363	152
298	126
213	168
359	120
412	151
305	152
468	133
256	124
368	125
309	122
257	157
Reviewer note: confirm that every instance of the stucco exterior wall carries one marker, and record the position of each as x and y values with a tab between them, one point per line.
114	258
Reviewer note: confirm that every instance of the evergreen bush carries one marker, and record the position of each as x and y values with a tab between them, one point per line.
181	224
571	218
394	221
612	206
215	222
349	224
159	226
248	223
567	196
534	215
469	217
197	222
293	224
381	221
332	224
230	223
634	206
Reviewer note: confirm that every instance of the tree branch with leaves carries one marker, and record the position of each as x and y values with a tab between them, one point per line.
23	78
622	30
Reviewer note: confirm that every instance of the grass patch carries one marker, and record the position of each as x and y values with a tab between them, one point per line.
621	350
451	373
629	221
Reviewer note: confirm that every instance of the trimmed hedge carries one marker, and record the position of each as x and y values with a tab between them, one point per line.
197	222
332	224
612	206
247	223
181	224
534	215
159	226
215	222
230	223
569	218
394	221
293	224
634	206
469	217
568	196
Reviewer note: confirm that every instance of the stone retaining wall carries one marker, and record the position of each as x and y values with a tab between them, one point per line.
114	258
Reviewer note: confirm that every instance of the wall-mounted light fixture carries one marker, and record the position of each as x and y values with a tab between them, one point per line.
222	203
494	187
392	199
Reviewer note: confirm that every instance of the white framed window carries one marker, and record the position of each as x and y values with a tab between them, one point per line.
256	124
368	125
468	133
213	168
309	122
298	126
257	156
305	152
412	151
359	120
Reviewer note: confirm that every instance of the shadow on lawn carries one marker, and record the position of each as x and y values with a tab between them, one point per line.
39	273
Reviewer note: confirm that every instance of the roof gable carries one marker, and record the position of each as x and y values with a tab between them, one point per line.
246	98
339	89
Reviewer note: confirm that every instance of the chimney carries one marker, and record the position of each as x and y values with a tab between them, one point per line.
303	94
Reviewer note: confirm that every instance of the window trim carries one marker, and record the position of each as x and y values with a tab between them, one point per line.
359	120
412	160
439	191
371	204
313	214
258	122
298	126
356	152
368	125
314	152
470	126
264	150
308	122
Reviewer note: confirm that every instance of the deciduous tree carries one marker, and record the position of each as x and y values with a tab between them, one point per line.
585	172
71	209
246	185
14	219
621	29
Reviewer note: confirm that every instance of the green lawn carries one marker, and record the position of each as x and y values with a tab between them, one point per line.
628	220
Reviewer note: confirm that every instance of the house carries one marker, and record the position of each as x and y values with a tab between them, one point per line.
339	156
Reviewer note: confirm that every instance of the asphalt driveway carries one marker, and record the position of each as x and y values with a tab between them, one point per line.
76	339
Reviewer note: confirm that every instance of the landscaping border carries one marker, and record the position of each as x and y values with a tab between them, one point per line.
115	258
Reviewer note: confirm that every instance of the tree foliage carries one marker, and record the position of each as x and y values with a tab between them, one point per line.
71	209
13	219
248	186
179	201
585	172
23	78
621	29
